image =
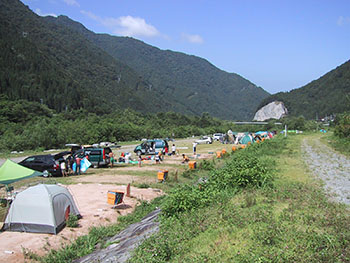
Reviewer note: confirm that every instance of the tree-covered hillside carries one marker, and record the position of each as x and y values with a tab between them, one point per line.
46	62
327	95
192	84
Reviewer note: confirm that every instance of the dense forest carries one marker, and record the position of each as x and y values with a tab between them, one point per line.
30	125
193	84
45	62
48	60
327	95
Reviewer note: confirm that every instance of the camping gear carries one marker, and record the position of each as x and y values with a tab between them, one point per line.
42	208
11	172
192	165
162	175
245	139
84	165
114	197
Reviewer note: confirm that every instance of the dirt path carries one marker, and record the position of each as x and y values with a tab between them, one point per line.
331	167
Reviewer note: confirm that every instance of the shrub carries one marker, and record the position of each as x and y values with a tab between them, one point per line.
72	221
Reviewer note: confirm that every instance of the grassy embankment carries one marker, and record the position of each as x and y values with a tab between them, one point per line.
288	221
341	145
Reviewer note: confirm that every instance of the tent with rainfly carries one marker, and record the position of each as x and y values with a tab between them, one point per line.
246	139
41	209
11	172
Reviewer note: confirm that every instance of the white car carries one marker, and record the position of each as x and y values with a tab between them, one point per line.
204	140
217	136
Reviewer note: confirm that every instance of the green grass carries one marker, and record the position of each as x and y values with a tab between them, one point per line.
292	221
341	145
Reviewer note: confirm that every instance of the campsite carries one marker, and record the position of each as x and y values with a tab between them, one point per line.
89	191
172	131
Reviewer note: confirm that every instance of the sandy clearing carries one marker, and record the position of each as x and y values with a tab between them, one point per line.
91	200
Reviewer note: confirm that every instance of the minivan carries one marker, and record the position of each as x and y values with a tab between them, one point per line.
98	157
151	146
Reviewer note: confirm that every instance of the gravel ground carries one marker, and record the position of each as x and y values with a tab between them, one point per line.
331	167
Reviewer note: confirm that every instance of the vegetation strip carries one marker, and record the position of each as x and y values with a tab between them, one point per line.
288	219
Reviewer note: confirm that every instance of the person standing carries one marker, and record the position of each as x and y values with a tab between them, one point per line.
111	158
63	168
77	165
173	149
140	160
194	148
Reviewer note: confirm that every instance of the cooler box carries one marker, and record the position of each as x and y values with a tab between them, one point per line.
162	174
192	165
114	197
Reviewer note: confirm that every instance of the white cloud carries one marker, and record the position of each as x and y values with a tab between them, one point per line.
126	25
134	26
72	2
38	12
196	39
343	21
91	15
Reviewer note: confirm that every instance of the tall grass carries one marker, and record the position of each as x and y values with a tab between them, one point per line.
286	220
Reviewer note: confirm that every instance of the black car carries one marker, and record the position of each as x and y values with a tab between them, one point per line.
48	164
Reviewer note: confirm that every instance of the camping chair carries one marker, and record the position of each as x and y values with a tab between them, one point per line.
115	197
9	192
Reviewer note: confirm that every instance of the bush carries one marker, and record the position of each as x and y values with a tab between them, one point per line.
72	221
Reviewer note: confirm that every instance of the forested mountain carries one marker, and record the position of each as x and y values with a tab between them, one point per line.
44	61
191	84
324	96
60	63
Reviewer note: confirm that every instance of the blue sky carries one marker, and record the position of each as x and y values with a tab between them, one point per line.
279	45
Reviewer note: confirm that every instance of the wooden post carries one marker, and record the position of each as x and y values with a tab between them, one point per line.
175	176
128	190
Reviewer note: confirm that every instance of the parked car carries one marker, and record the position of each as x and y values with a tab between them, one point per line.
218	136
48	164
98	157
204	140
151	146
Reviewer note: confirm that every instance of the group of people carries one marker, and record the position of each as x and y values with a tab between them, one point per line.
67	165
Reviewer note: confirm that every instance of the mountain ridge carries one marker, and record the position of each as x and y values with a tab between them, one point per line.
64	65
329	94
155	65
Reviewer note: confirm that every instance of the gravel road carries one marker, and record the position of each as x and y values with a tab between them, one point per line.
331	167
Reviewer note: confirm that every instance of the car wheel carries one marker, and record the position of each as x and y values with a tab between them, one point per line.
45	173
138	153
208	142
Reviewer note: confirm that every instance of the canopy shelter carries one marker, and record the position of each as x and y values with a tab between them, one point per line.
11	172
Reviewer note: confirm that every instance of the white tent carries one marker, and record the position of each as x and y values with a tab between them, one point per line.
41	209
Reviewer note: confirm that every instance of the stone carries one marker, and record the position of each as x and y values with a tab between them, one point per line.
273	110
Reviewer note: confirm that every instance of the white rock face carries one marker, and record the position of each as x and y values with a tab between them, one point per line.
273	110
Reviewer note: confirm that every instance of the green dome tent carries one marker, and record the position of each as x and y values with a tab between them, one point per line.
11	172
245	140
